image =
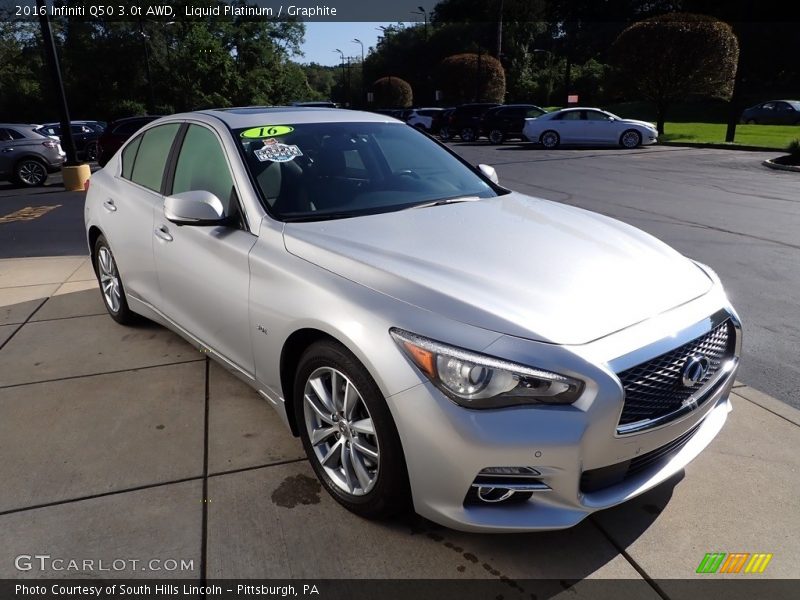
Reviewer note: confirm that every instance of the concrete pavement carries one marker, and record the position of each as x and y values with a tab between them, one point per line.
126	443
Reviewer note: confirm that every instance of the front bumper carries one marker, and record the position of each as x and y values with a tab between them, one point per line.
558	447
447	446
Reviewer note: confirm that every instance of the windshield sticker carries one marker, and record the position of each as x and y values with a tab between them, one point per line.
274	151
266	131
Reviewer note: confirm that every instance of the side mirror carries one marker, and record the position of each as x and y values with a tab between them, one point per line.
194	208
489	172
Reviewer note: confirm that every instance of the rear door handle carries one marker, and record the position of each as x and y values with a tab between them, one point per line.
109	205
162	233
8	149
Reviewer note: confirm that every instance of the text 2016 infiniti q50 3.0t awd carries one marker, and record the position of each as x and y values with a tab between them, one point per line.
500	362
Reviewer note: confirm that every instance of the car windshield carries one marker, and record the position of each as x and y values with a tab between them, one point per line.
795	104
316	171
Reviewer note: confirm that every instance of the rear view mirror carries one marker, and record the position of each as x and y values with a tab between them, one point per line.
194	208
489	172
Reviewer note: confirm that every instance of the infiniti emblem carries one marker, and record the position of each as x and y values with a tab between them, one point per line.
694	370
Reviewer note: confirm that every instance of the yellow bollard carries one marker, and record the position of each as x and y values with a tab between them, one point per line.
75	178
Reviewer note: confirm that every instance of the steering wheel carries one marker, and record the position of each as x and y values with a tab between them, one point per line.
407	173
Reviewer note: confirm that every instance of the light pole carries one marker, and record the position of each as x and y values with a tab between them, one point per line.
360	43
424	14
342	62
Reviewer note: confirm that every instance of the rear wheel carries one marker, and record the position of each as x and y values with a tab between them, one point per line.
91	152
550	139
30	172
630	139
751	122
468	134
496	136
111	288
348	432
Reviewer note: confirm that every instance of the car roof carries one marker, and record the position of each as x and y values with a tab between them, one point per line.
19	125
254	116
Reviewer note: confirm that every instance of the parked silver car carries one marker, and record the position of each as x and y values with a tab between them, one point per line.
588	126
504	362
26	157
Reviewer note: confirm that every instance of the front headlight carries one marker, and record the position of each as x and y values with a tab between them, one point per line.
478	381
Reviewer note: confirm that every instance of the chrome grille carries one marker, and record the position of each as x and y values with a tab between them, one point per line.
654	388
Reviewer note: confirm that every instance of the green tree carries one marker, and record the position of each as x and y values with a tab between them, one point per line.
472	78
668	58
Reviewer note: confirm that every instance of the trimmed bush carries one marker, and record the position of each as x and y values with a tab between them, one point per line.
392	92
471	78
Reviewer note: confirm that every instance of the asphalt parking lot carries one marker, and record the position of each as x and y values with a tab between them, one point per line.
125	442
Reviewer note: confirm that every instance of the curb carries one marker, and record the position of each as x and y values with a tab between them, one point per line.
769	163
723	146
768	403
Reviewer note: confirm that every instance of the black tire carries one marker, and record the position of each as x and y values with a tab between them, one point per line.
550	139
390	493
630	139
497	136
468	134
91	152
121	313
444	134
30	172
751	122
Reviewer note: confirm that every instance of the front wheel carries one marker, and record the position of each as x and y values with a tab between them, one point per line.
348	432
630	139
496	136
30	172
105	267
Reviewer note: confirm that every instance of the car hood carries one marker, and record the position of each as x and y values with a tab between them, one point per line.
513	264
637	122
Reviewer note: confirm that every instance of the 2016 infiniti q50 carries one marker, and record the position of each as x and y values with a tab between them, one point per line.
500	362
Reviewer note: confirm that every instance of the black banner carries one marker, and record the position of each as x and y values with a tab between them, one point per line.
715	588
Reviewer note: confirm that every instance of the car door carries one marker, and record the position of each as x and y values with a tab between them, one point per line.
570	127
127	220
6	153
600	128
766	114
784	114
203	271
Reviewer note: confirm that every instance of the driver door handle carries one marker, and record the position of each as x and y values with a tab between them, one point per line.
109	205
162	233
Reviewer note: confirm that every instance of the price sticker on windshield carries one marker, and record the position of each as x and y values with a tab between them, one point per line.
266	131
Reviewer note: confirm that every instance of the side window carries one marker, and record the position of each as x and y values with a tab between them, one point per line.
202	166
129	157
768	106
573	115
593	115
148	168
5	136
532	113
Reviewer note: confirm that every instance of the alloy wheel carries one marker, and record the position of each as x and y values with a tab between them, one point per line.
341	431
550	139
31	172
631	139
468	134
496	136
109	279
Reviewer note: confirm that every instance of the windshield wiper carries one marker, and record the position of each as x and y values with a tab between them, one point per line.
325	216
455	200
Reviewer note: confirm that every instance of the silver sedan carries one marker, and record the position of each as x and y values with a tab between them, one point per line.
588	126
498	362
